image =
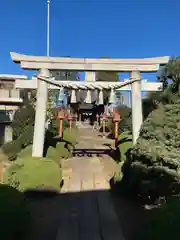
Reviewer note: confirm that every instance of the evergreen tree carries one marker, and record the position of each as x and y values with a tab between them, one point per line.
152	166
107	76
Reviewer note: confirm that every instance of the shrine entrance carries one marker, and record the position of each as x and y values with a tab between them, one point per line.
93	90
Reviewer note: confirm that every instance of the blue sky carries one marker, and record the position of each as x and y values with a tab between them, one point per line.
89	28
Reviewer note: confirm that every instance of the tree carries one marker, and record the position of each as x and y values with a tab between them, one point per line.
162	76
65	76
152	167
23	117
107	75
119	96
171	71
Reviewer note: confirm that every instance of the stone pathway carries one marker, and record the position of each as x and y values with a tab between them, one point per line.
87	212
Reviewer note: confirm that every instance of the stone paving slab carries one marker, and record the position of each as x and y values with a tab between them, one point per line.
109	222
88	213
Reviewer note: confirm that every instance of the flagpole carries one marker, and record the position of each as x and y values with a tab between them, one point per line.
48	28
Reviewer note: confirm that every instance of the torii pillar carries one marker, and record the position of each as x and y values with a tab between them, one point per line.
137	115
40	117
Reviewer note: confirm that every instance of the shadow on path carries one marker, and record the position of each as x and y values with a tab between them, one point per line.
76	215
84	215
86	152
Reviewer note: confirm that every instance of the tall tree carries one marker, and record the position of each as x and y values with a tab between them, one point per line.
65	75
171	71
107	75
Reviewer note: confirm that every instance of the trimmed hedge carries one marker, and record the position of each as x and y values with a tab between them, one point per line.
27	172
32	173
63	148
23	117
154	164
125	145
11	149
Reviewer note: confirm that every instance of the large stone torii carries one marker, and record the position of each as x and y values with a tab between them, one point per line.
90	66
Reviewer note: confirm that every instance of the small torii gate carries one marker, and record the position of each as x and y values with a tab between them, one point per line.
90	66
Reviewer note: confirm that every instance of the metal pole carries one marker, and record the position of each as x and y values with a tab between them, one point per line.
48	28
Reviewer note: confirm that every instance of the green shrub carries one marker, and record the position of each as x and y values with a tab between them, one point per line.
58	152
27	151
26	137
164	224
11	149
31	173
125	123
71	135
125	145
23	117
154	164
64	148
14	212
54	125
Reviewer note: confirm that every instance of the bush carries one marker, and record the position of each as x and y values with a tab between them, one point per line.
164	223
64	147
54	125
11	149
71	136
26	138
32	173
125	145
126	119
23	117
14	212
154	164
125	123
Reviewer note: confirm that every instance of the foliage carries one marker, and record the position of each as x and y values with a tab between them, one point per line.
49	113
124	146
63	148
152	167
14	212
107	75
31	173
65	76
22	118
155	98
11	149
125	123
126	118
54	125
28	96
154	164
71	135
164	224
171	71
27	172
118	95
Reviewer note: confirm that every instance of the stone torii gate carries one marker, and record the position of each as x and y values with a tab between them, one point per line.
90	66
